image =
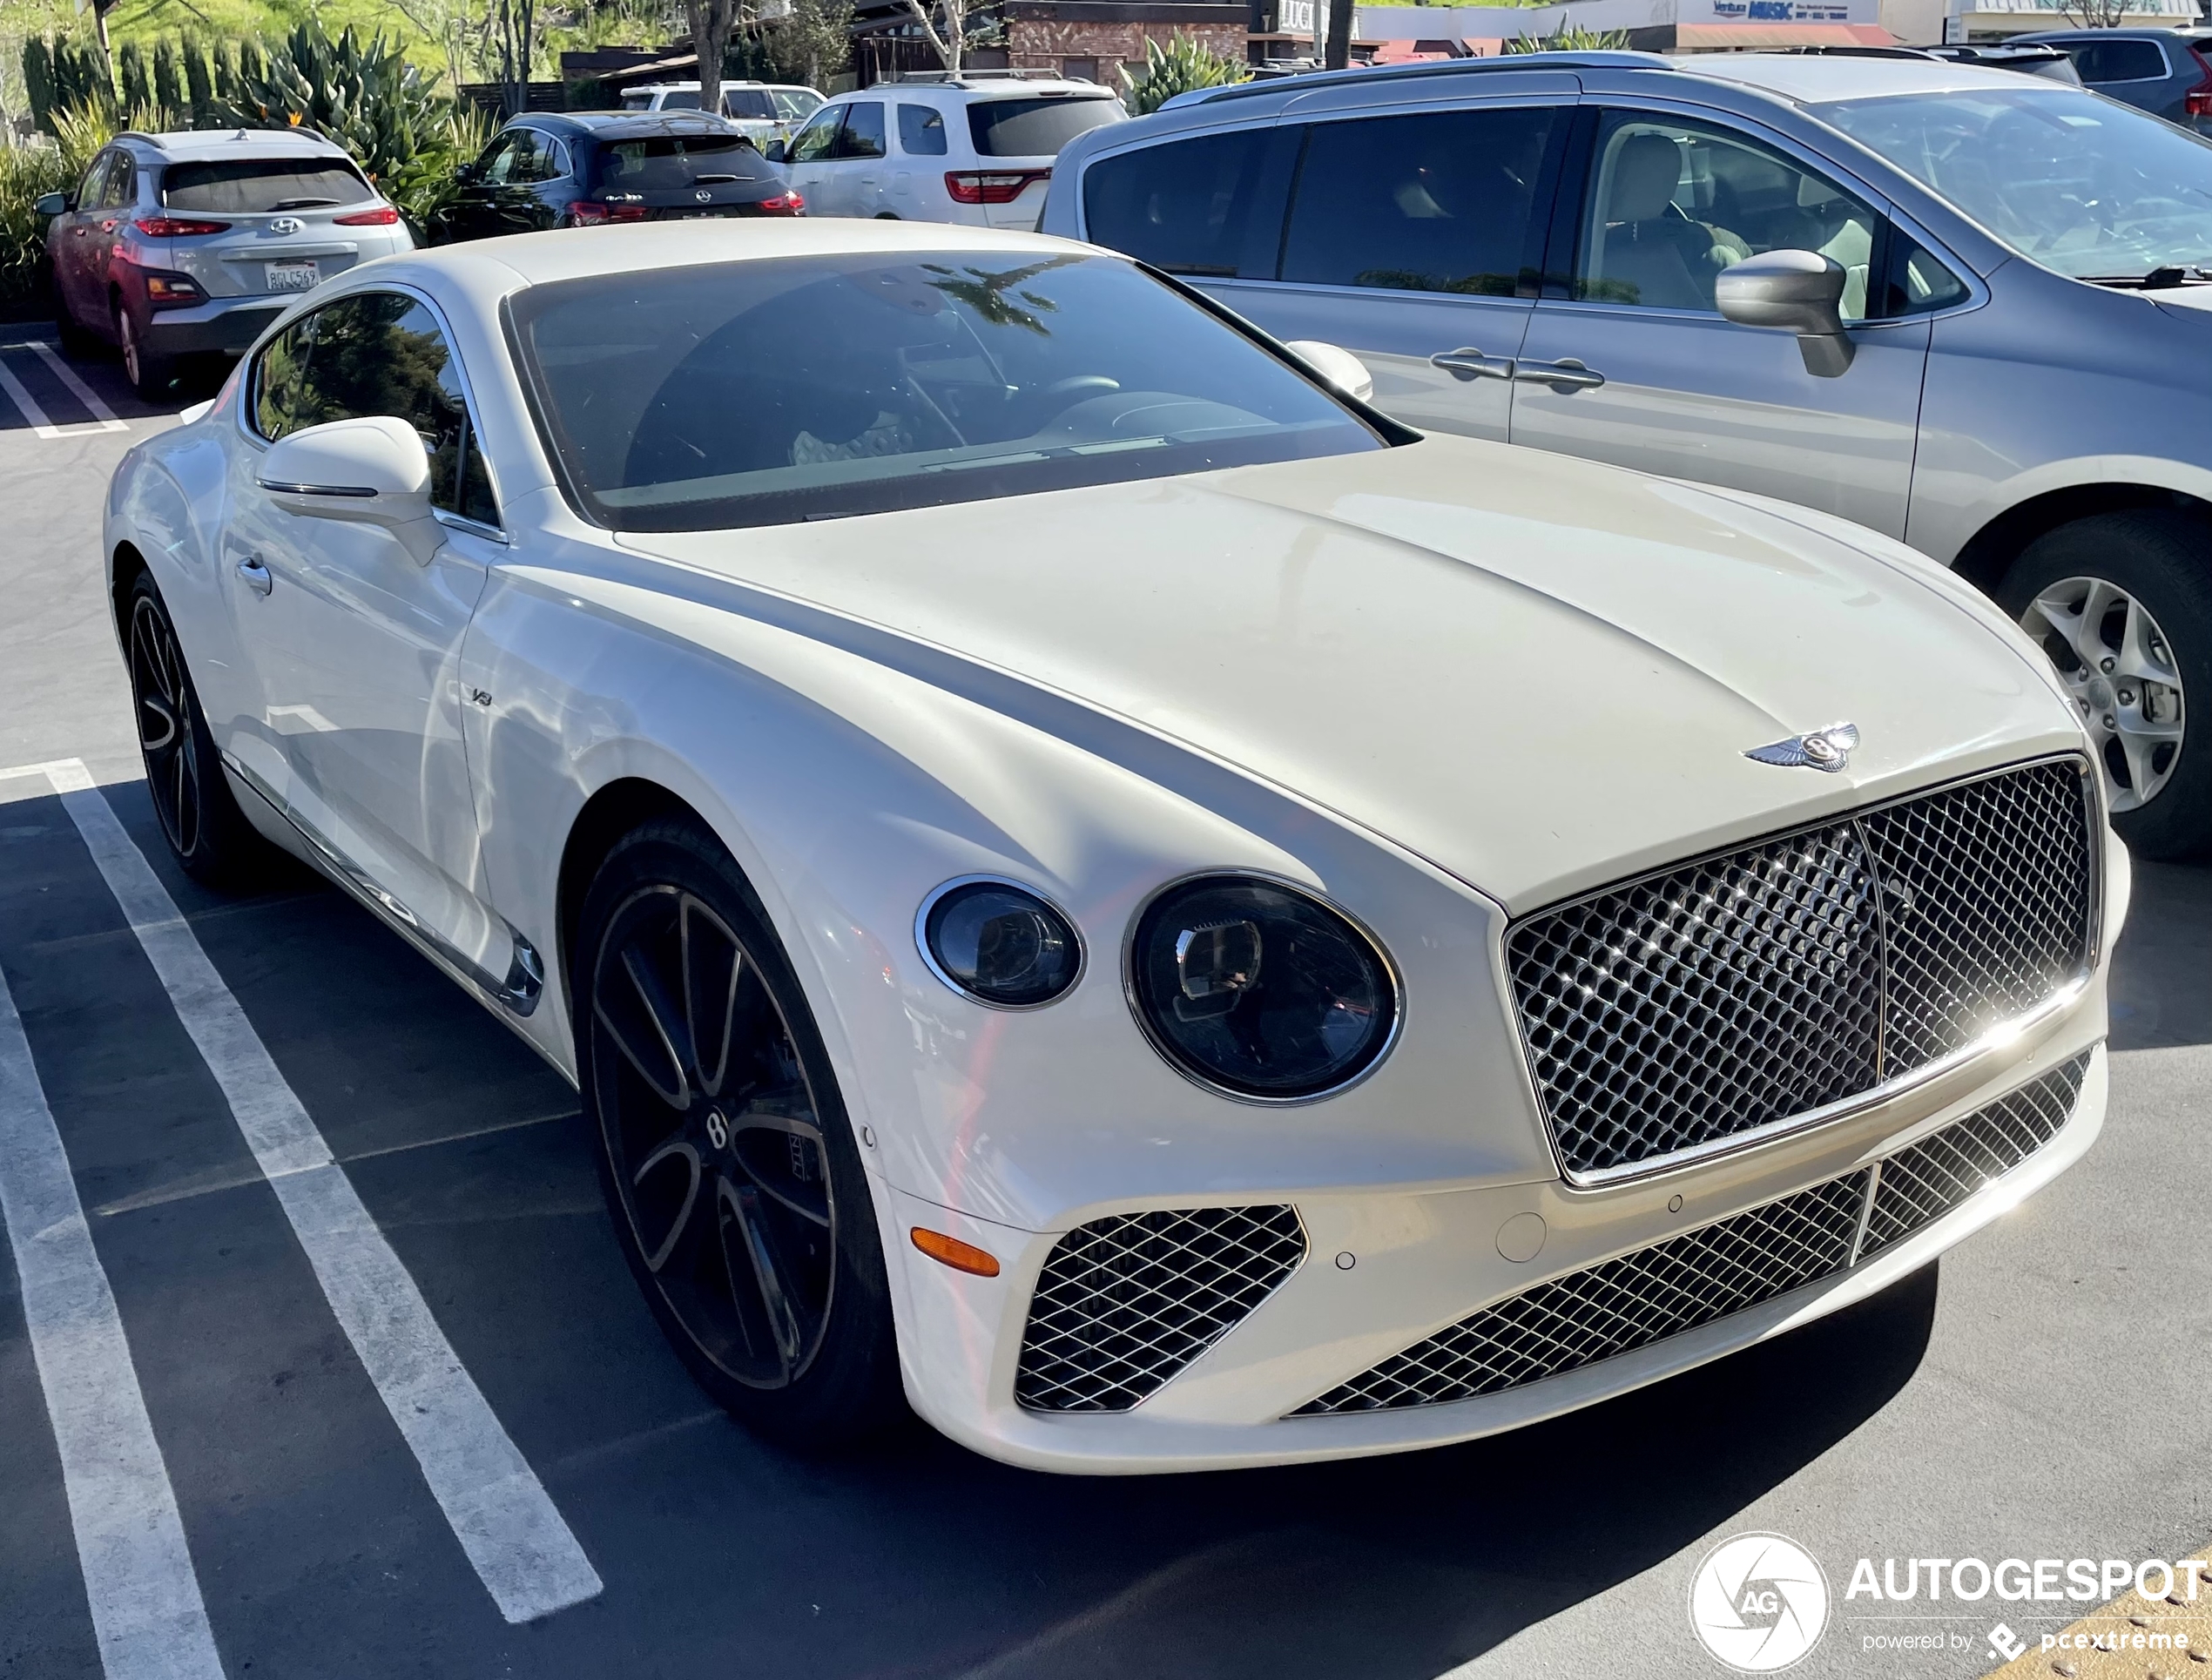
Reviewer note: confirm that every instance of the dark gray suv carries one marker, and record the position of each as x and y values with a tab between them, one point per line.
187	244
1968	309
2165	72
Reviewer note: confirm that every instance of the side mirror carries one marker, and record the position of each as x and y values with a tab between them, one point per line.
774	152
1799	291
371	471
50	203
468	174
1337	367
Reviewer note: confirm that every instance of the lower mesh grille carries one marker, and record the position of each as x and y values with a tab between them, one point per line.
1125	1303
1655	1292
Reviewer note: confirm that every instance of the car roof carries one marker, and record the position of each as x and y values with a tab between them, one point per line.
199	145
623	125
489	269
970	91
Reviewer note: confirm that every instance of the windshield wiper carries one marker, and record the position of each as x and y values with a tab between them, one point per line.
2158	280
714	180
302	203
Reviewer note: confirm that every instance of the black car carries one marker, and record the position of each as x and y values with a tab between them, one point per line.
578	170
2165	72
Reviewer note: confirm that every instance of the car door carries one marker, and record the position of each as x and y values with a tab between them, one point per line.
919	145
467	215
353	643
811	164
863	189
94	236
72	245
1628	360
511	198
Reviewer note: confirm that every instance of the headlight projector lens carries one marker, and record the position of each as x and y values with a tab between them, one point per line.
1259	989
1000	944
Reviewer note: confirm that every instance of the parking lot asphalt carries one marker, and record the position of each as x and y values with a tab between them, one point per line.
2039	1393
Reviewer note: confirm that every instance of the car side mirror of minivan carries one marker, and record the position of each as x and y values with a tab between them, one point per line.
374	471
1799	291
774	152
1337	366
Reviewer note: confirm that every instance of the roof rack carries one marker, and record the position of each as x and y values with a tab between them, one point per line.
1602	60
970	78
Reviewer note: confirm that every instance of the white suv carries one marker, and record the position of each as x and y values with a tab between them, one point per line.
976	149
760	111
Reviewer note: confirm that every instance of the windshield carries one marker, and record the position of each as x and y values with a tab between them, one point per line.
670	163
266	184
795	104
1038	127
782	389
2089	187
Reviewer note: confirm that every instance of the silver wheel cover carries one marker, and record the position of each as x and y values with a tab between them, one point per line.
2120	669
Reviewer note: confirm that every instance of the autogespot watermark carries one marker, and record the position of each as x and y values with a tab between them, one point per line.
1760	1602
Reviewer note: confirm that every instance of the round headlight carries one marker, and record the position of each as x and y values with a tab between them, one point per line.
1258	989
999	943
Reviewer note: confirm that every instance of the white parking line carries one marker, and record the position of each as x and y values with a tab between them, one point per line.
84	392
147	1613
29	405
506	1522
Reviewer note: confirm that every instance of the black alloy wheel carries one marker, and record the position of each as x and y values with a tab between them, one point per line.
729	1163
199	817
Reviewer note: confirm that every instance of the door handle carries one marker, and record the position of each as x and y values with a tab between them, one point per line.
1566	376
256	574
1471	363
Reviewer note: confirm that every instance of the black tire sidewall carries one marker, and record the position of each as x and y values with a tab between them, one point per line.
2163	558
851	1390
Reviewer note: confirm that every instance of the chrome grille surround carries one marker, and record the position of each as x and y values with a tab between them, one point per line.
1748	993
1646	1296
1124	1303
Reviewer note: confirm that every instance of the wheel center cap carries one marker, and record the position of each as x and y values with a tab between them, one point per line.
2101	694
718	1129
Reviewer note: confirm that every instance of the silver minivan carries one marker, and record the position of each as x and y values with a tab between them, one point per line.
1970	309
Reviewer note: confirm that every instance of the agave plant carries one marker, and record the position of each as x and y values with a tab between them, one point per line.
1177	68
362	94
1574	38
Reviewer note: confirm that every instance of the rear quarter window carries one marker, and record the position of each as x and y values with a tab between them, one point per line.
1038	127
2118	61
257	184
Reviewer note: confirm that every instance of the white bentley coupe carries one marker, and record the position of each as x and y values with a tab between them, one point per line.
1094	886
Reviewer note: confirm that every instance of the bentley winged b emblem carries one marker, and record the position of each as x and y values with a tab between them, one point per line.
1828	749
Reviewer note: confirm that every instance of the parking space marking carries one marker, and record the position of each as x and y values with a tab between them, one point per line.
84	393
28	405
148	1616
520	1546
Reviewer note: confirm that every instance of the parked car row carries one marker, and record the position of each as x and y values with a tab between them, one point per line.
1966	308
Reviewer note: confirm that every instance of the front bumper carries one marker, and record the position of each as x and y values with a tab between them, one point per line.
220	326
1426	1258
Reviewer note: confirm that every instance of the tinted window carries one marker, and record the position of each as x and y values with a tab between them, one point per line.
1917	283
667	163
685	101
780	389
511	158
2081	184
1434	203
814	141
863	133
1673	204
382	354
263	184
1035	128
2118	61
1185	206
750	103
921	132
88	195
276	380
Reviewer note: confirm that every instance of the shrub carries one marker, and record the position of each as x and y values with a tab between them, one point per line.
1177	68
26	172
1574	38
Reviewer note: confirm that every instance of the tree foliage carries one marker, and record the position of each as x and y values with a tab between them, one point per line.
811	42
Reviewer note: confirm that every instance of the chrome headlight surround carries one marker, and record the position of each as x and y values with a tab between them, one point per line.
1220	944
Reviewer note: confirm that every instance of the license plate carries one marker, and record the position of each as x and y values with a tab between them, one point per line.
290	276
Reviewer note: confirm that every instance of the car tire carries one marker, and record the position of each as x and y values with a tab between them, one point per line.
151	375
731	1174
207	834
2122	595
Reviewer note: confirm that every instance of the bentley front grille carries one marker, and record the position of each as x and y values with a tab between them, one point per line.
1125	1303
1766	983
1645	1297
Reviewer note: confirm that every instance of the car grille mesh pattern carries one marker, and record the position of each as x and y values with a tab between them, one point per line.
1746	989
1125	1303
1654	1292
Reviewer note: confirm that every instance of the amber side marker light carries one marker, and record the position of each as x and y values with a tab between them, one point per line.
950	1250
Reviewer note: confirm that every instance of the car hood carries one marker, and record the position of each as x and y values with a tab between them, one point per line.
1537	673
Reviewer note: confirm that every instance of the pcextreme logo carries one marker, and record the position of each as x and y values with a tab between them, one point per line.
1758	1603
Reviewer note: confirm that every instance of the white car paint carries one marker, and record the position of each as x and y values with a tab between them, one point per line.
1441	685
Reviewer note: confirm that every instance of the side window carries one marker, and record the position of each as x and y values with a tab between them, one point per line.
863	135
750	104
89	195
812	143
1184	206
500	161
921	132
2100	62
276	379
123	184
1672	203
380	353
555	162
1439	202
529	158
1916	283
